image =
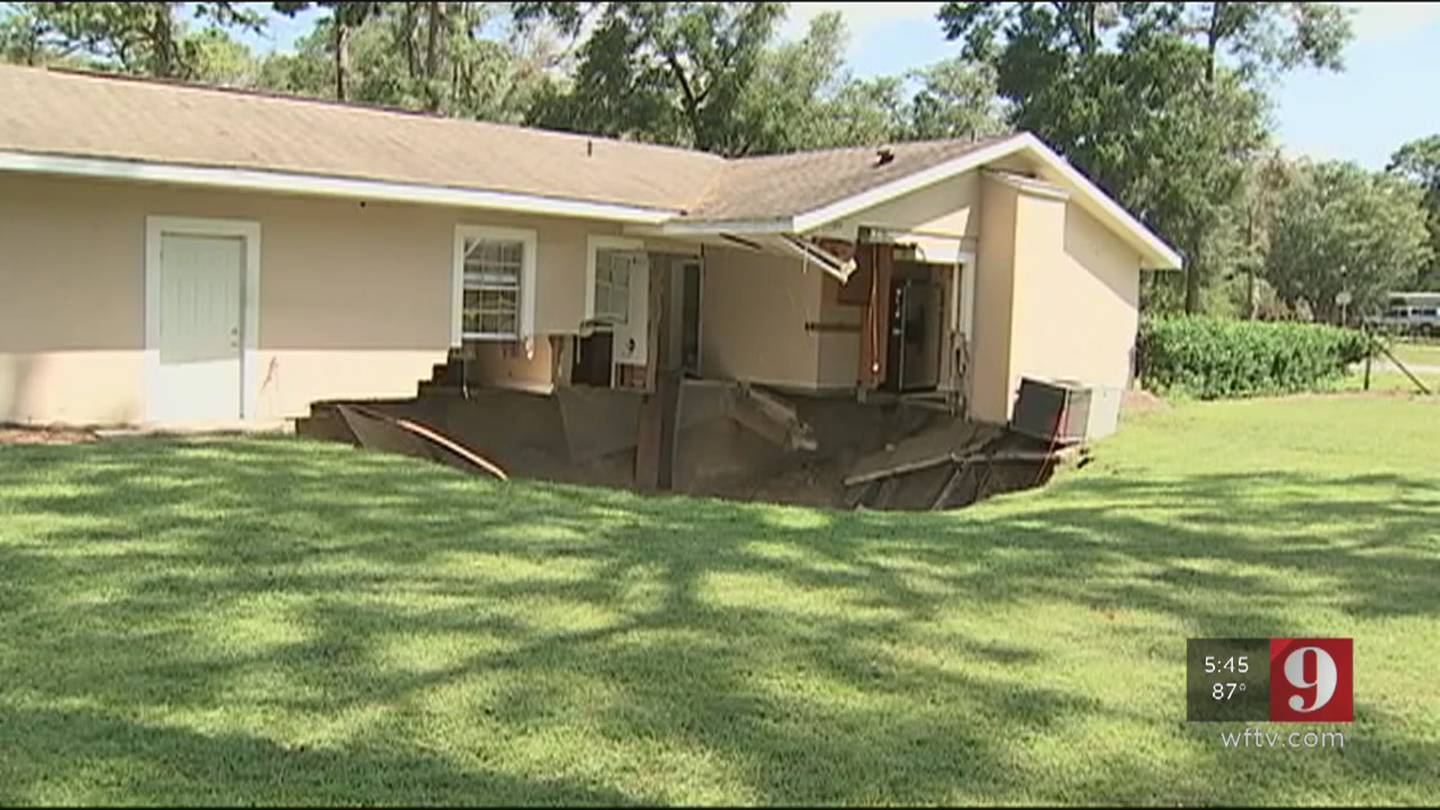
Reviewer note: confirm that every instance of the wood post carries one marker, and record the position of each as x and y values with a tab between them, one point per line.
655	448
875	340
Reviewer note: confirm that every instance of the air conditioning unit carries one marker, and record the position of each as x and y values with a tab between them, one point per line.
1065	411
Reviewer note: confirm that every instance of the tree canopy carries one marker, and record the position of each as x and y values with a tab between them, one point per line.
1418	162
1162	104
1340	228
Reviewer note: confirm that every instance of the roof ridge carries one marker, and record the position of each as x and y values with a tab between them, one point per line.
890	144
346	104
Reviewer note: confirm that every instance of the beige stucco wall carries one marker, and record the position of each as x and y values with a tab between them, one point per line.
839	350
1057	295
1077	297
994	300
753	313
355	300
948	207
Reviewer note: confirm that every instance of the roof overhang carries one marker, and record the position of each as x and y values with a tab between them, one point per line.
790	245
1154	252
325	186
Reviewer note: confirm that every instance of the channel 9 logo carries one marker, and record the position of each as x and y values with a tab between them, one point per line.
1282	680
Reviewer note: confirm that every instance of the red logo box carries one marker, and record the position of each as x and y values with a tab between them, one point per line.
1312	680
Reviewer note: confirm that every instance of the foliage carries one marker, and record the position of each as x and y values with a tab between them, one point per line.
187	622
1215	358
417	55
709	76
956	99
1337	228
1419	162
1162	104
666	72
140	38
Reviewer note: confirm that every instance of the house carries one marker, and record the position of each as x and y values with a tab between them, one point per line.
172	253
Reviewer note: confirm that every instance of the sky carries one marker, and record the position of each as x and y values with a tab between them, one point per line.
1389	92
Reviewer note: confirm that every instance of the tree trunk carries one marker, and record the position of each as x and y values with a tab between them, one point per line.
342	57
434	15
432	40
1193	266
163	64
1212	43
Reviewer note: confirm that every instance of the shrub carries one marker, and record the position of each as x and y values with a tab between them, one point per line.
1214	358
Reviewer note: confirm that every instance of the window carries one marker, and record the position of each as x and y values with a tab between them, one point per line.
494	271
612	286
614	266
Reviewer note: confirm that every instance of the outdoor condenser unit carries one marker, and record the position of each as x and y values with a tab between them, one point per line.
1065	411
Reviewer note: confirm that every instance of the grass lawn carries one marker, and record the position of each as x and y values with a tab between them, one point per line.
1384	381
269	620
1417	352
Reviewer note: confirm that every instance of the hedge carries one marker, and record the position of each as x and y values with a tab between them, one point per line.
1214	358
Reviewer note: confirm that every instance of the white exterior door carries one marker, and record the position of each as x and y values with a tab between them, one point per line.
632	337
201	311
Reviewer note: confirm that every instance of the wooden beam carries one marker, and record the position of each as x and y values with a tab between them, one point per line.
659	414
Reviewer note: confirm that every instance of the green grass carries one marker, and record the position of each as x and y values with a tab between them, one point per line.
1388	381
1417	353
265	621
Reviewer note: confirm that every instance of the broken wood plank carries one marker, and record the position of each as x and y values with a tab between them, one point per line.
898	469
858	495
948	488
1064	455
919	451
380	431
773	419
887	491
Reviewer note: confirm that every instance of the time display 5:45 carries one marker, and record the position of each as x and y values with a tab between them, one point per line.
1234	663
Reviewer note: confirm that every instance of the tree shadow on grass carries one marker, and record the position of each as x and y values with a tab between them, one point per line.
563	644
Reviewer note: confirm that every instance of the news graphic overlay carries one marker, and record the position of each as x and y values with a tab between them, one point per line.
1312	680
1280	680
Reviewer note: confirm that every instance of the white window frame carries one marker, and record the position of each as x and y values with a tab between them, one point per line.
248	231
526	326
593	246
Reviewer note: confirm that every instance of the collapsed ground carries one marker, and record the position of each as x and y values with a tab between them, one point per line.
192	621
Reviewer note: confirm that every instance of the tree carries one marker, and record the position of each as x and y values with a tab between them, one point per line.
1340	228
1162	104
708	76
420	56
344	18
141	38
956	99
1418	162
666	72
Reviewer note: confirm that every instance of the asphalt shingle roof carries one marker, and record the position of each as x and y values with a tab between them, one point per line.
61	113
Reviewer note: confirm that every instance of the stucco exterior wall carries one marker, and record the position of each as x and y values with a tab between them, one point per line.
1078	292
839	340
754	309
355	299
1057	295
949	207
994	301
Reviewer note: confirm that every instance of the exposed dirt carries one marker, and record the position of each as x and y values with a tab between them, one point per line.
1135	402
588	436
17	434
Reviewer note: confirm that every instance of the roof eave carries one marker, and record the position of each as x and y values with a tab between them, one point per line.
325	186
1154	252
